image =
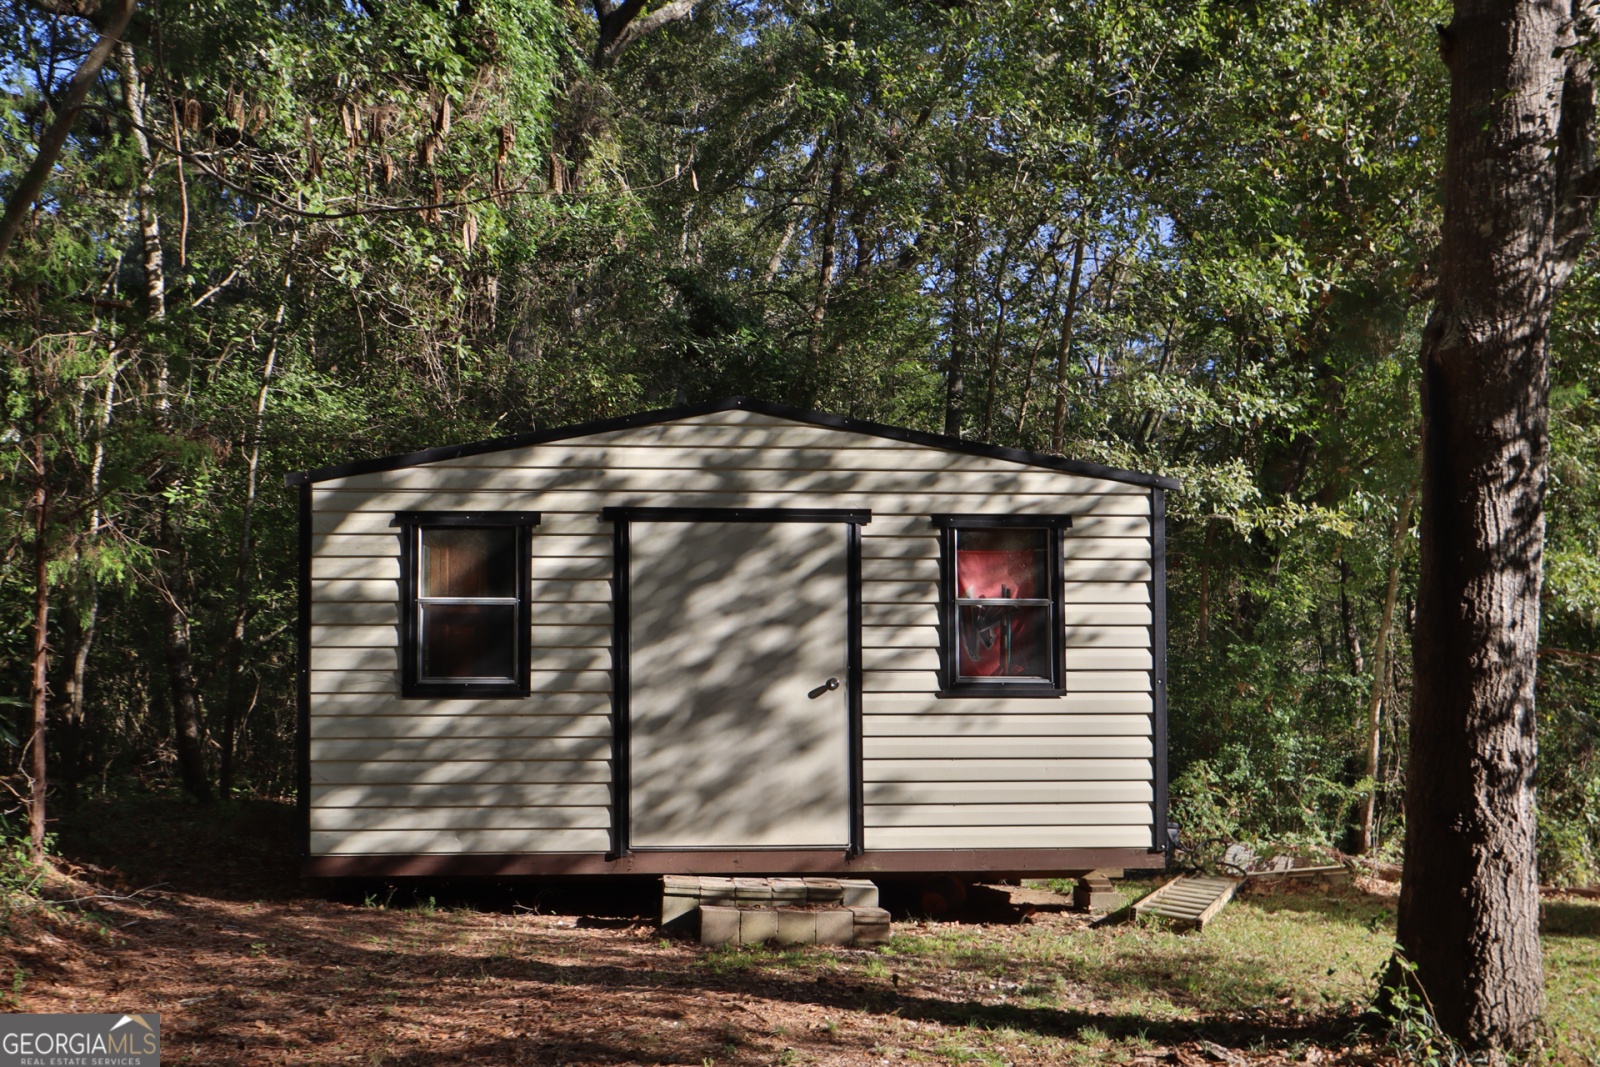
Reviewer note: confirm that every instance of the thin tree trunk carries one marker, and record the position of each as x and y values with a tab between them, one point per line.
1518	175
133	98
55	138
39	691
825	271
232	710
1058	424
1354	658
188	730
1380	669
955	384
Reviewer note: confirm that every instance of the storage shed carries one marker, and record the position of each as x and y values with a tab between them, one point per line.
731	638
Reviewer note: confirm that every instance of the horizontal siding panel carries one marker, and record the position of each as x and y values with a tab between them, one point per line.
1008	837
484	818
384	568
559	591
885	637
878	545
1106	614
1105	570
537	704
454	749
356	545
927	681
344	591
556	658
763	471
1071	704
1106	592
1009	793
355	659
914	505
347	613
423	727
1105	636
502	795
1105	548
594	541
901	614
431	842
462	772
350	681
927	659
1007	770
899	569
1017	747
572	568
1009	815
325	637
969	726
923	592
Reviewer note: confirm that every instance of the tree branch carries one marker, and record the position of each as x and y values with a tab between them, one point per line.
55	137
621	26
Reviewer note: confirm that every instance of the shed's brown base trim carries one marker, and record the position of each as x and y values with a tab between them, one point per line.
992	863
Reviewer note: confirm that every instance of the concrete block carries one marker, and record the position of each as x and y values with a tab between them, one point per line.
674	906
870	926
757	925
716	890
858	893
719	926
1094	892
752	890
796	927
824	891
835	926
788	892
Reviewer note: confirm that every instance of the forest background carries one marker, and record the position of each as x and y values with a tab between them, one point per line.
1180	237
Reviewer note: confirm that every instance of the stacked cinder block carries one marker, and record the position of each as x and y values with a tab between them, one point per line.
788	911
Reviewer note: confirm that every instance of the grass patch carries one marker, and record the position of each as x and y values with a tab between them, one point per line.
1571	935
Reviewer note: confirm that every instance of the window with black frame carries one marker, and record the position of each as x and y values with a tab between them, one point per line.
1002	604
465	617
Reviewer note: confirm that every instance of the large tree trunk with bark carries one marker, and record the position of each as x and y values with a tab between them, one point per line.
1518	170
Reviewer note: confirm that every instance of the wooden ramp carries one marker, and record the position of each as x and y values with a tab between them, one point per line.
1189	900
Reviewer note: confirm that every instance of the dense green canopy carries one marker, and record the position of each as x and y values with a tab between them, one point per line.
1182	237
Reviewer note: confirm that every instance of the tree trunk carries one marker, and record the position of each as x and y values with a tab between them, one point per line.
955	381
1058	424
1380	671
39	691
825	269
1518	167
187	728
113	22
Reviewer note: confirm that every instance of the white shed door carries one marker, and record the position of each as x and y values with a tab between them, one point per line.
736	741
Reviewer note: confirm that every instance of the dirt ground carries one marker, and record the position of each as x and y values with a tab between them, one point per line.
201	918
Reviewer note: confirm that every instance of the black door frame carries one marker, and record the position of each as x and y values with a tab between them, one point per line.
622	519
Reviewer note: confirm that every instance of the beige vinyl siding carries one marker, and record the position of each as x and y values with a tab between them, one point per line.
533	775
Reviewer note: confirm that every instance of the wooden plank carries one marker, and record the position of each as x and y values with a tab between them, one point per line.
924	769
394	842
1188	900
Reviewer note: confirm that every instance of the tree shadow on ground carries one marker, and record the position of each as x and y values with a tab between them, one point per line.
1562	918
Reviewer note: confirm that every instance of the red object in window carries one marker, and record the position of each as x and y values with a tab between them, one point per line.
1008	574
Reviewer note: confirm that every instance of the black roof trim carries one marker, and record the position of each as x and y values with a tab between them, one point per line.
740	403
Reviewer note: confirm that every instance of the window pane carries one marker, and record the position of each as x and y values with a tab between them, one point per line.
1002	564
469	563
997	641
469	641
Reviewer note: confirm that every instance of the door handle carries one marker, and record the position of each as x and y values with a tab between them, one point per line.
826	687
